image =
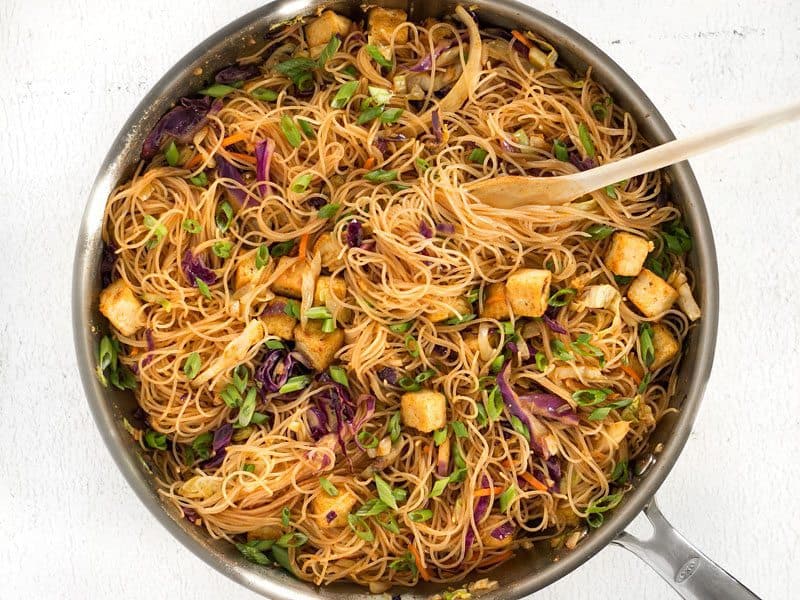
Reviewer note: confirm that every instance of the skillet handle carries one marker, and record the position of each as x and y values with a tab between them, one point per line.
690	572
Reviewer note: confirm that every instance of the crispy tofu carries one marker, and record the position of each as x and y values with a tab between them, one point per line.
323	28
234	352
290	282
651	294
451	307
424	410
495	303
276	321
246	271
528	291
626	253
665	345
121	306
492	523
265	532
328	250
381	23
340	505
318	347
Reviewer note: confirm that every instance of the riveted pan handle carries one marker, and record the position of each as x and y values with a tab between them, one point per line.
690	572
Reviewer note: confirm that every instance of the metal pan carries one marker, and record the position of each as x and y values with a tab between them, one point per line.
685	568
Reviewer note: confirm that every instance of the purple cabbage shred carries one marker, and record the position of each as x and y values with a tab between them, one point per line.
194	268
582	164
237	73
425	230
446	228
225	170
107	261
180	123
503	531
355	234
436	123
264	151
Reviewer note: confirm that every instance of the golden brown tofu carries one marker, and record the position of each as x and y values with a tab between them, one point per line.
340	505
328	250
323	28
665	345
265	532
492	523
626	253
290	282
651	294
528	291
383	21
121	307
451	307
618	430
495	303
246	271
318	347
424	410
276	321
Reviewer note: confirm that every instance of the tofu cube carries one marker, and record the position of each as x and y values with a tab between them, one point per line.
495	303
318	347
381	23
424	410
265	532
528	291
665	345
328	250
276	321
492	523
323	28
290	282
121	307
651	294
340	505
246	271
471	343
626	253
449	308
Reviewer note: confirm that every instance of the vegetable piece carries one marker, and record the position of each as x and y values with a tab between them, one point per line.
391	115
527	291
626	253
301	183
560	151
599	231
595	510
344	94
194	269
191	226
495	303
586	140
237	73
236	190
181	124
264	151
561	298
385	492
478	155
222	249
341	505
264	94
425	410
515	408
550	406
507	497
217	90
381	176
234	353
192	365
154	440
651	294
121	307
665	345
318	347
295	384
172	155
328	487
685	298
378	56
320	30
331	48
290	131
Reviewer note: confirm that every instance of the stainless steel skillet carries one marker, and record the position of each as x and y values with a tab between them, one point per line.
685	568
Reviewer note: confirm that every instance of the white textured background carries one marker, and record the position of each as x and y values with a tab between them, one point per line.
71	72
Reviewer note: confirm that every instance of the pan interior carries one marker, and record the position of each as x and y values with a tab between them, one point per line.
528	571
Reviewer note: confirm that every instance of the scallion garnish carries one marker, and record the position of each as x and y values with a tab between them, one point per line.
599	231
646	344
223	216
231	396
439	436
286	516
360	527
378	56
157	229
400	327
293	539
154	440
583	346
562	297
299	70
586	140
281	248
381	176
200	180
461	319
459	429
301	183
420	516
191	366
318	313
385	492
328	487
394	427
191	226
425	375
307	128
541	361
344	94
241	375
494	404
507	497
595	510
379	95
290	131
248	408
222	249
438	487
478	155
172	154
328	51
264	94
248	468
202	287
328	325
422	164
274	345
339	375
367	439
497	363
292	309
262	256
390	115
369	114
560	151
218	90
560	350
295	384
408	384
411	345
520	427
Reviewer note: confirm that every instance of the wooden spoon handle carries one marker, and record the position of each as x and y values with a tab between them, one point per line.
678	150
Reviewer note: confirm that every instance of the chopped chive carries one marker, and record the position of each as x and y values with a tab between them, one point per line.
560	350
231	396
590	397
294	539
422	164
560	151
367	439
411	345
157	228
339	375
286	516
201	285
438	487
344	94
390	115
586	140
507	497
172	154
301	183
191	226
381	176
262	256
461	319
394	427
328	211
408	384
351	71
292	309
478	155
223	216
222	249
328	51
249	467
459	429
520	427
541	361
248	408
378	56
290	131
497	363
401	327
281	248
191	365
218	90
385	492
360	528
369	114
439	436
379	95
425	375
646	344
420	516
274	345
307	128
200	180
156	441
265	95
494	404
328	487
295	384
599	231
562	297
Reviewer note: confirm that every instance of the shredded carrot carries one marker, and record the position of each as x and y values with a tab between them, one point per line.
497	559
420	567
521	38
487	492
537	485
243	157
194	162
236	137
303	246
370	162
634	375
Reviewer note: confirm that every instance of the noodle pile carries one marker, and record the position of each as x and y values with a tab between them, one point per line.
407	241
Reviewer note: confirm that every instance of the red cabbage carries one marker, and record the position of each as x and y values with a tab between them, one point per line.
549	319
317	422
275	370
583	164
107	261
446	228
503	531
436	123
426	62
512	346
264	151
330	516
554	471
481	506
190	514
237	73
274	308
551	406
148	335
515	407
222	438
381	144
388	374
394	137
194	268
225	170
425	230
180	123
355	234
355	427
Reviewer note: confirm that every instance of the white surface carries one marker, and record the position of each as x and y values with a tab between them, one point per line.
72	71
